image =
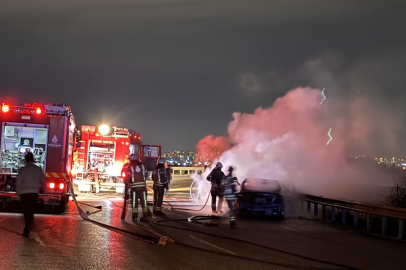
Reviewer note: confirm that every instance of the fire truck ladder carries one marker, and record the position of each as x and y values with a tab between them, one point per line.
81	161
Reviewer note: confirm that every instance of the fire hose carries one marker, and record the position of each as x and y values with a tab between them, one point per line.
200	218
156	239
159	239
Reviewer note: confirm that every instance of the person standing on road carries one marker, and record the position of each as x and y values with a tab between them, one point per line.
134	174
217	189
230	193
29	182
168	171
160	182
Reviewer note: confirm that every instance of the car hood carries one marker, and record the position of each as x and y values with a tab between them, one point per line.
260	185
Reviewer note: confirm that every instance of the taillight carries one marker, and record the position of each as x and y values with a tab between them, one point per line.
61	186
123	174
5	108
51	185
38	111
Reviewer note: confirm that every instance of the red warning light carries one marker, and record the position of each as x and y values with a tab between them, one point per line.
5	108
38	111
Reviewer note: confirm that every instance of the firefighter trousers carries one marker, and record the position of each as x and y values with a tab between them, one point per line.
139	193
216	192
232	210
125	200
158	198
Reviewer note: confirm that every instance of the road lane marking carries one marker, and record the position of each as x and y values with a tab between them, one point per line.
210	244
289	228
4	219
35	237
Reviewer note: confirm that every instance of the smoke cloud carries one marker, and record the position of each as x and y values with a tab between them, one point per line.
288	142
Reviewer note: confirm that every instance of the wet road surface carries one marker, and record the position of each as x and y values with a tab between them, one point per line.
67	241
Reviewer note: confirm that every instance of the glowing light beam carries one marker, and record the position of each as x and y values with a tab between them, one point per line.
329	134
324	96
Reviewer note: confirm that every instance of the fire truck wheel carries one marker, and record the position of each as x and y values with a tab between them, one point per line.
61	208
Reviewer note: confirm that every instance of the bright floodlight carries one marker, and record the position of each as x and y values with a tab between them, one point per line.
104	129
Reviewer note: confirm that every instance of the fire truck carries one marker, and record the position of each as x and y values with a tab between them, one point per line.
101	153
49	132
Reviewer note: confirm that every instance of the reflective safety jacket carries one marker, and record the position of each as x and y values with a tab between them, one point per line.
159	176
135	175
230	187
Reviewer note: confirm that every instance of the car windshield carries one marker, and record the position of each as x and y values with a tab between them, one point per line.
261	185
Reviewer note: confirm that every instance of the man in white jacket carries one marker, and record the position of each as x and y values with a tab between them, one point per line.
29	182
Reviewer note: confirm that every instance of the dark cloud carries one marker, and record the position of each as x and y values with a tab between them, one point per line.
176	70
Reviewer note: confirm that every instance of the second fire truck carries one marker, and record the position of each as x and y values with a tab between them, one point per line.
101	153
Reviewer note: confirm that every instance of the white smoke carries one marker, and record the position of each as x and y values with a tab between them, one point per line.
288	142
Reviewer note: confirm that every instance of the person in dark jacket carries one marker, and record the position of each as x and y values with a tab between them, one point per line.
230	193
217	189
168	171
160	183
134	175
29	182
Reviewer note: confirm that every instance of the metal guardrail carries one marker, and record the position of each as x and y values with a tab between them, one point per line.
344	206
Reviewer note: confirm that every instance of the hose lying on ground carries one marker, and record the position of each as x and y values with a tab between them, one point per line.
198	219
153	240
162	240
244	241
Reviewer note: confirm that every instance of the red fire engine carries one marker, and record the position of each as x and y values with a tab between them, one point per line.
103	151
48	131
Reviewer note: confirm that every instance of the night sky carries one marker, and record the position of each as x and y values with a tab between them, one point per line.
175	71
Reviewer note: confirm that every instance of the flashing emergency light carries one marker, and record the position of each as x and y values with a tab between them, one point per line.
38	111
61	186
51	185
5	108
123	174
104	129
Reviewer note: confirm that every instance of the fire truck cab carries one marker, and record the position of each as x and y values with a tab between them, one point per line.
102	151
48	131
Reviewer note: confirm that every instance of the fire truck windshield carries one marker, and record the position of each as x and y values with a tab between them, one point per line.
151	152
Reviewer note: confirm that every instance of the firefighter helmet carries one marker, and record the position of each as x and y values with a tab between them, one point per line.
219	165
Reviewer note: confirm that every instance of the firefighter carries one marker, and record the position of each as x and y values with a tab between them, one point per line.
160	183
217	189
168	171
230	193
134	176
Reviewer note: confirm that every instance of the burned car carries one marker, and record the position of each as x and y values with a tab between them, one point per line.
260	197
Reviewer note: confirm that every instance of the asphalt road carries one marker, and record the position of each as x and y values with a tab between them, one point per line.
67	241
